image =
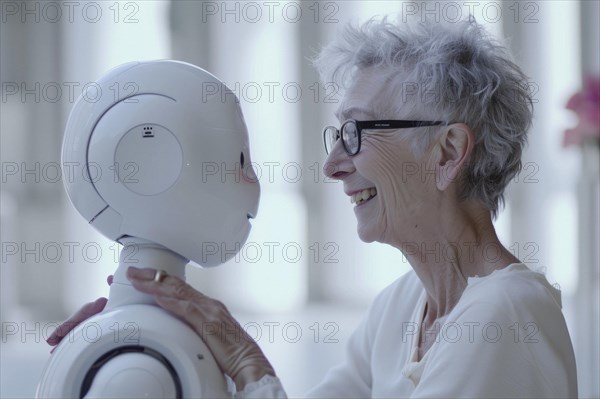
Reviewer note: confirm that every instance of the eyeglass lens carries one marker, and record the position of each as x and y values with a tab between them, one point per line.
331	137
350	137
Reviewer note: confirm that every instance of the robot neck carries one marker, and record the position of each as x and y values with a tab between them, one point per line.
141	254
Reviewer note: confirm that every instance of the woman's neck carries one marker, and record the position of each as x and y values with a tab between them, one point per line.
462	246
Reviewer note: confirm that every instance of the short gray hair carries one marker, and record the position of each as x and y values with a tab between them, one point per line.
474	80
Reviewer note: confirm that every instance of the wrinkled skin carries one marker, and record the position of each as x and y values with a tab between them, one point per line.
238	355
406	185
417	208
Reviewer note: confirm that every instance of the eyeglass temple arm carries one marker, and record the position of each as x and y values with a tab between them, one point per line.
394	124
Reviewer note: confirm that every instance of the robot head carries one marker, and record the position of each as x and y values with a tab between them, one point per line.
159	151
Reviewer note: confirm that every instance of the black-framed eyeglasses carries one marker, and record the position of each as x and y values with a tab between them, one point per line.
351	131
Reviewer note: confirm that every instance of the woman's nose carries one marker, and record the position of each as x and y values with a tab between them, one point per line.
338	163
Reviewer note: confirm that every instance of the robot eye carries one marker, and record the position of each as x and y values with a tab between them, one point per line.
242	159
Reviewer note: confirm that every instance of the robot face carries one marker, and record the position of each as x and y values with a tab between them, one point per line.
174	164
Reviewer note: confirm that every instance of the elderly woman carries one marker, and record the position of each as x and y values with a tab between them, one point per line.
432	127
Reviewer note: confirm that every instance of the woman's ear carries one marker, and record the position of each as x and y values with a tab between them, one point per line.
455	144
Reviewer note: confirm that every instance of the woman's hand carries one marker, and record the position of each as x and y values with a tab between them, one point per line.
88	310
234	350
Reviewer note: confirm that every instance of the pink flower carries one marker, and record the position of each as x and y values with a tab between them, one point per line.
586	104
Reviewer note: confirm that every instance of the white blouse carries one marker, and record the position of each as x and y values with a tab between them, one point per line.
505	338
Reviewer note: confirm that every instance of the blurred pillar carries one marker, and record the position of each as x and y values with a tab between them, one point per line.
31	136
588	289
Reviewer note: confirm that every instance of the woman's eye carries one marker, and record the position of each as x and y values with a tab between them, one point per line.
242	159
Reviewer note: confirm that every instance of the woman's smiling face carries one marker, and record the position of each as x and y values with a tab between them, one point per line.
389	186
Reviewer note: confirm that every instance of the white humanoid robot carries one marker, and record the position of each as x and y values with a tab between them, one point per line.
153	139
